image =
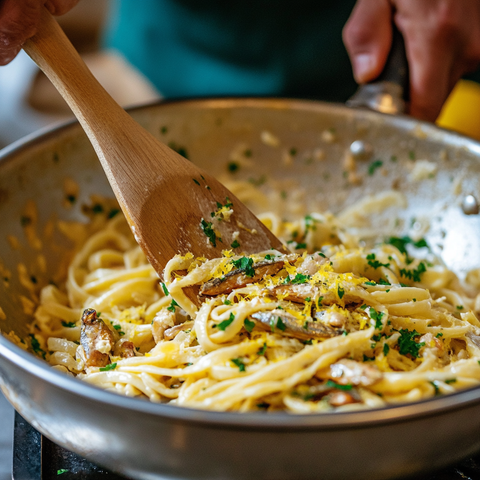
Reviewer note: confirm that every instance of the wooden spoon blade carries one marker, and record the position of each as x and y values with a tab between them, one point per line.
171	205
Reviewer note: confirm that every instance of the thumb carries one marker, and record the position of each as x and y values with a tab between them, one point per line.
367	36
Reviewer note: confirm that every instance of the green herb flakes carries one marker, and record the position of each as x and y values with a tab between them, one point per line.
235	244
233	167
207	228
239	362
246	264
299	279
332	384
69	324
223	325
407	344
340	292
62	471
386	349
261	351
248	324
112	366
374	166
172	306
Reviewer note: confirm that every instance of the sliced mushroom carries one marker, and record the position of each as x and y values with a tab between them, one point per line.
286	324
238	279
96	339
172	332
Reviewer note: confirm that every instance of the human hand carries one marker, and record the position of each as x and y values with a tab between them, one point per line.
19	20
442	42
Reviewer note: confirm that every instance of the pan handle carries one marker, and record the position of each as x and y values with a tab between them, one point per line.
389	92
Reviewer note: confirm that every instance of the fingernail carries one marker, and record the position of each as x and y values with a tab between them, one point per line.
363	66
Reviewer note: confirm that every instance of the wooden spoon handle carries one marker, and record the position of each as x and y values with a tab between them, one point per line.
57	58
112	132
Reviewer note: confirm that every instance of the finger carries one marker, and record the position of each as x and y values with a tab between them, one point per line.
431	65
60	7
368	38
18	22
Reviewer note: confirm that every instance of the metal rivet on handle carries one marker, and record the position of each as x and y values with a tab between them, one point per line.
470	205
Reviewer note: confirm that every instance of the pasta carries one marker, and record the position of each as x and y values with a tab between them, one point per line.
338	323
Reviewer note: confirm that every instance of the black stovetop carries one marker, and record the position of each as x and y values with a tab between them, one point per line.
37	458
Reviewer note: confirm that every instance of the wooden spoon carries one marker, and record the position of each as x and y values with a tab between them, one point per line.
167	200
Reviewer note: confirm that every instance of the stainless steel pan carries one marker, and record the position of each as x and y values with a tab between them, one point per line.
146	440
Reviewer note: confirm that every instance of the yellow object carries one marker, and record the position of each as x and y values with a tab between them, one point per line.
461	111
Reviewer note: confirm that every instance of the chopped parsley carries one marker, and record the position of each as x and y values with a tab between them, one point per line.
386	349
375	263
269	257
382	281
278	324
227	302
415	273
377	316
370	283
332	384
319	301
70	324
245	263
340	291
239	362
235	244
301	246
450	380
113	212
172	306
438	335
374	166
97	208
207	228
300	278
435	386
223	325
407	344
262	350
165	290
36	345
248	324
401	242
112	366
233	167
459	307
179	149
368	359
62	471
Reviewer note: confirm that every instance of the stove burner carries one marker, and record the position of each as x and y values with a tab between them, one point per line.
37	458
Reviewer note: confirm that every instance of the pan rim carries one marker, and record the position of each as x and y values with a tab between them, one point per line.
403	412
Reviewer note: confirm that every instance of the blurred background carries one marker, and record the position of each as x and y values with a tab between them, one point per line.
29	102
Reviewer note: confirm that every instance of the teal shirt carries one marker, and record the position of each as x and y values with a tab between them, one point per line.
192	48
